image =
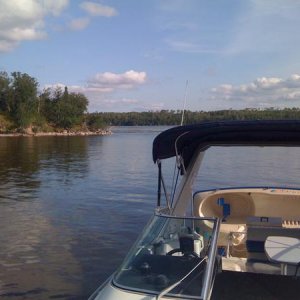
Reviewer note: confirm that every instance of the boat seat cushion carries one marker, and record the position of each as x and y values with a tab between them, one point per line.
258	233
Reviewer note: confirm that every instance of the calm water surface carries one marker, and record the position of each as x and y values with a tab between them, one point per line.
70	207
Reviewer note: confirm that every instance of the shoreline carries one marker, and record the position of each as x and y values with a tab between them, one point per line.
64	133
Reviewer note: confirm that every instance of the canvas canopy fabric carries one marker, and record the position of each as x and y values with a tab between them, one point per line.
185	140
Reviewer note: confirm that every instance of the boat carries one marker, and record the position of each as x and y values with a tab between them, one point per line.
194	235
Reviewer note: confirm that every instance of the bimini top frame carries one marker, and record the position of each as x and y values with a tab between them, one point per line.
184	141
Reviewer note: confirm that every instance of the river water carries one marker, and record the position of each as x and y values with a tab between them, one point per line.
70	207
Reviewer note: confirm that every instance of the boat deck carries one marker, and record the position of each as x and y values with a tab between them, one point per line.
253	286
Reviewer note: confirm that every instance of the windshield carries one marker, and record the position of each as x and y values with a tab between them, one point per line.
170	250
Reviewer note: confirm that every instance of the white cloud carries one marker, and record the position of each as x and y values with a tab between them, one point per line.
97	9
55	6
22	20
93	9
6	46
17	34
266	83
99	99
154	106
79	24
125	105
264	91
59	85
85	89
102	84
121	101
112	81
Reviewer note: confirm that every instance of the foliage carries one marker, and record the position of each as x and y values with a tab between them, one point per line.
172	117
23	98
4	91
64	109
20	101
6	124
94	122
18	97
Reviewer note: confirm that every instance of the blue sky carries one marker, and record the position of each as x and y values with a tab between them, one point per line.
137	55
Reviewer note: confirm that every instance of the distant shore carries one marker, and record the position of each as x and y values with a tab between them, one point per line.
62	133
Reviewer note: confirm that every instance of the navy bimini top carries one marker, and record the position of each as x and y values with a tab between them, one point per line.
190	138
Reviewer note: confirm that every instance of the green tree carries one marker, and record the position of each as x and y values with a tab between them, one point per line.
5	92
24	101
94	122
64	109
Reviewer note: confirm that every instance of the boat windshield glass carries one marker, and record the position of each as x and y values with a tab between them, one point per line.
170	250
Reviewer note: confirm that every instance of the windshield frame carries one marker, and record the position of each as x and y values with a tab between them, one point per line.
163	216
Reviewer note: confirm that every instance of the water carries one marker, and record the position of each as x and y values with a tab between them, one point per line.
70	207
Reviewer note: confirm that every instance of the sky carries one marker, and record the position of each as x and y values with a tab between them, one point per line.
141	55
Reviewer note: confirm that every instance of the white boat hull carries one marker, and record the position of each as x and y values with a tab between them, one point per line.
110	292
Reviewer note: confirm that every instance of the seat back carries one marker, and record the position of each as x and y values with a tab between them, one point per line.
258	229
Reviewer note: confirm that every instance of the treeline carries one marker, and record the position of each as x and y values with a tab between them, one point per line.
172	117
22	106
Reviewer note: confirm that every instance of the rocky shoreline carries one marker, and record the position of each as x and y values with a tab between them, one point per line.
62	133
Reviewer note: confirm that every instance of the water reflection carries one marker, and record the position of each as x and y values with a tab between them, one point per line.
69	210
36	258
29	262
24	161
64	154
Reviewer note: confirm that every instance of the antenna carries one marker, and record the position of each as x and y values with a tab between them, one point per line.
184	104
177	157
177	162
